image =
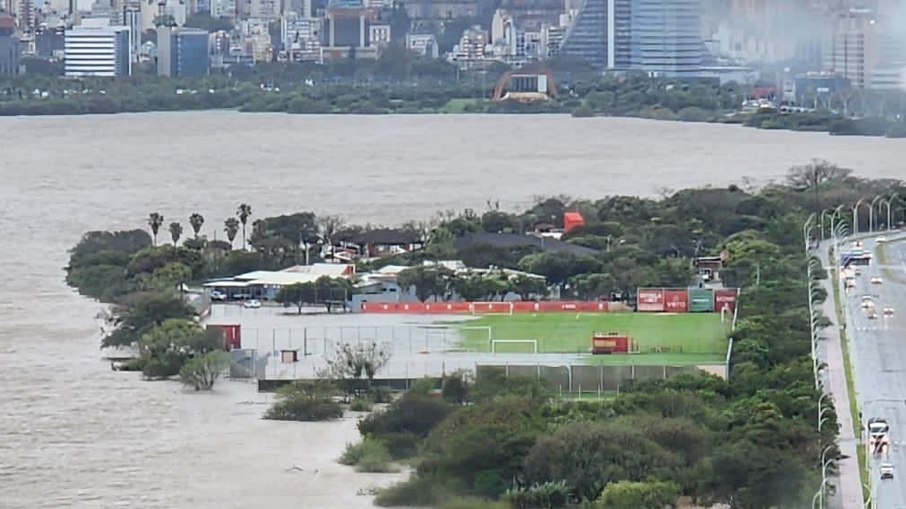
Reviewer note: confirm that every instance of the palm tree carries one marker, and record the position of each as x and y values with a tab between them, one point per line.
175	232
244	211
196	220
155	221
231	227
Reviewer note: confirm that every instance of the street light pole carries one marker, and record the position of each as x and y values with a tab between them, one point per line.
871	213
856	215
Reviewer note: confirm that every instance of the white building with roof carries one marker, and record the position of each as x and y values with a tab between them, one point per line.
265	284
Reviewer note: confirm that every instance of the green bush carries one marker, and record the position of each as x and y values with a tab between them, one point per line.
305	402
473	503
380	394
538	496
420	491
369	455
361	405
413	416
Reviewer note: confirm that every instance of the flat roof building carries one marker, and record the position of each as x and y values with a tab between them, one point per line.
97	50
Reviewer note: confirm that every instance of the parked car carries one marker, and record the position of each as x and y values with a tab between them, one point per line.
867	302
888	311
872	315
215	295
876	280
242	296
252	304
881	239
886	471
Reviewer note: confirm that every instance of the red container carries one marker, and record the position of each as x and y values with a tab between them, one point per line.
650	300
232	335
725	298
676	301
607	343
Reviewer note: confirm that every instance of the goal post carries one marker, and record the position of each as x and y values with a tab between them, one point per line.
533	343
491	308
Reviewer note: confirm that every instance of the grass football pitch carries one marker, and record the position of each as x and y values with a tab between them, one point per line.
688	338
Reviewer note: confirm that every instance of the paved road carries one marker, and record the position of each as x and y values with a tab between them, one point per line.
878	352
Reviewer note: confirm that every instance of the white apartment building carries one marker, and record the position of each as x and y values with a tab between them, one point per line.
97	49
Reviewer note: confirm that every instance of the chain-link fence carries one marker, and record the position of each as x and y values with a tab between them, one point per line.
579	379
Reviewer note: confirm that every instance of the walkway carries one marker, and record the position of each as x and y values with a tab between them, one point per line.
849	484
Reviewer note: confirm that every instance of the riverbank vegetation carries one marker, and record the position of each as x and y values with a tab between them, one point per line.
750	441
399	83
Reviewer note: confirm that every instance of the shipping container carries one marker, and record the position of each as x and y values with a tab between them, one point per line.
232	335
725	298
609	343
701	300
676	301
650	300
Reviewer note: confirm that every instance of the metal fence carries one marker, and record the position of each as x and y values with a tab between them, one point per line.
582	378
400	339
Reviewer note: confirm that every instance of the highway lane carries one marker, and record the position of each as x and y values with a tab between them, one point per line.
878	352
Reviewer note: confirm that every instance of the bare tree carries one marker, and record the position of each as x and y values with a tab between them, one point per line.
812	175
354	366
328	226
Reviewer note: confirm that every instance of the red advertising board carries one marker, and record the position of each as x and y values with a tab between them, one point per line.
725	297
676	301
650	299
486	307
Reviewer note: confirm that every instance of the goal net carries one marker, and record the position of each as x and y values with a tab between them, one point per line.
514	346
491	308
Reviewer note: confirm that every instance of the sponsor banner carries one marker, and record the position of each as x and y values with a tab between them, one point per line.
725	298
676	301
485	307
650	300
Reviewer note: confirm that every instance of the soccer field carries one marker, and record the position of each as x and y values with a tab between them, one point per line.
666	337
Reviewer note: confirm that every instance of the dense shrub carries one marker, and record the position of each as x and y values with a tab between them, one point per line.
361	405
413	415
304	402
538	496
369	455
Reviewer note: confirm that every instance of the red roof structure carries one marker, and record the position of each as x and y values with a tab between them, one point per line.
572	220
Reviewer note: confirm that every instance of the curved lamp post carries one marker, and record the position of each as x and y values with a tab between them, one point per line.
871	213
856	215
886	201
806	229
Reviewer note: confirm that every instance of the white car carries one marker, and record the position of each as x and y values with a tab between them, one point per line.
252	304
215	295
872	315
888	311
881	240
867	302
876	280
886	471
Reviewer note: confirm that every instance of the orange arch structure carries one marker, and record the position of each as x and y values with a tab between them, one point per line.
502	92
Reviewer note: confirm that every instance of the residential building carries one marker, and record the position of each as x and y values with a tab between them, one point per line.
600	34
666	37
472	45
868	48
97	49
9	46
182	52
301	37
379	35
423	44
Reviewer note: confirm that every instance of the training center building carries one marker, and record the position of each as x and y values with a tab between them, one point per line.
265	284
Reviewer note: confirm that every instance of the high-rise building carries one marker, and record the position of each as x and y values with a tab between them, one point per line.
182	52
666	37
868	48
9	46
97	49
600	34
